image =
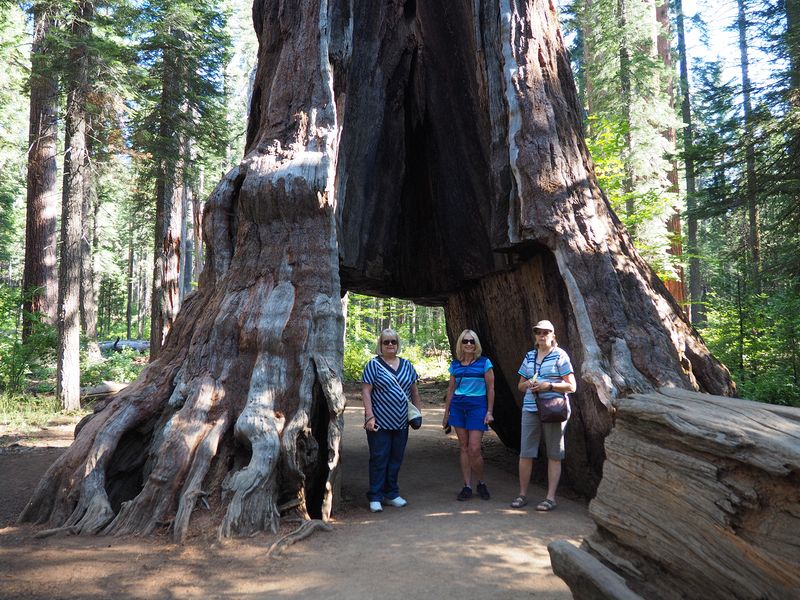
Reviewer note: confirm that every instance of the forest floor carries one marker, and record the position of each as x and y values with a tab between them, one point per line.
435	547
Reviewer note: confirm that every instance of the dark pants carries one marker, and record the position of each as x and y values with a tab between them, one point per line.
386	449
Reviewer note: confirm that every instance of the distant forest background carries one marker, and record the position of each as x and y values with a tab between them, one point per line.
118	118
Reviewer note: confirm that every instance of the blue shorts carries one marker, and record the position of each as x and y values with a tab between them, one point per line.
468	412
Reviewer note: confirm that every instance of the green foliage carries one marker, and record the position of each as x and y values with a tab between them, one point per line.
183	48
758	338
13	133
355	357
606	144
626	125
20	362
421	330
121	367
23	412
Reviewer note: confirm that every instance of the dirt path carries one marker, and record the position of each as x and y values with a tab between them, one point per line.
433	548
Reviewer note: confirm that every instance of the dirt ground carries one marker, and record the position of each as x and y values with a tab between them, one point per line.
435	547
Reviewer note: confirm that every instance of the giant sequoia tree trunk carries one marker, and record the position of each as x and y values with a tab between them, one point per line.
431	151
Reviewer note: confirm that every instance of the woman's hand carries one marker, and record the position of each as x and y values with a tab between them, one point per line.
445	419
539	386
370	424
488	418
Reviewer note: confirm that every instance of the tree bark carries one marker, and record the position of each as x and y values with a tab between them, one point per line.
696	312
626	98
663	45
166	297
129	286
68	372
40	277
88	291
486	202
362	163
244	405
197	219
754	230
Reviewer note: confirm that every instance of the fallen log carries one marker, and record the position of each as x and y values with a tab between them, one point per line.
140	346
93	393
700	498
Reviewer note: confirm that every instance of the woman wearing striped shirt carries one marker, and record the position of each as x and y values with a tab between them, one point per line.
546	371
388	382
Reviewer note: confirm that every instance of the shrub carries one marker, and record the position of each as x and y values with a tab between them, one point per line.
121	367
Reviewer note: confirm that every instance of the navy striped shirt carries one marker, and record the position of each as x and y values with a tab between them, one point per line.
553	368
391	391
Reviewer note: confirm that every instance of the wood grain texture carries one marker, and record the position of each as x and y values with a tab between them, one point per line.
700	497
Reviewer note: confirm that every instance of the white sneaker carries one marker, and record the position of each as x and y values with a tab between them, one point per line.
375	507
398	502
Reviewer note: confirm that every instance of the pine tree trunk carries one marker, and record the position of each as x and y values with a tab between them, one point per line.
129	286
185	255
696	311
88	293
69	272
166	298
663	45
362	164
626	99
197	219
40	278
754	231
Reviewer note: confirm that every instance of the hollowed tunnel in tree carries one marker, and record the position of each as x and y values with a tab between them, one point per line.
425	150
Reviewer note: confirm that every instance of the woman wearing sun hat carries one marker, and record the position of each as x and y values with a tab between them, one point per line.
545	371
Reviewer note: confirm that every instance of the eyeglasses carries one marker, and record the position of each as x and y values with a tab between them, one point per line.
467	341
389	342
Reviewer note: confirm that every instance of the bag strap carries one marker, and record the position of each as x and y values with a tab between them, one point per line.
392	377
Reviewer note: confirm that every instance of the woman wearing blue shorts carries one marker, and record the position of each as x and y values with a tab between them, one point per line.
468	407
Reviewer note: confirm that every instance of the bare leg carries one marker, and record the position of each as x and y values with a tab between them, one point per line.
525	470
475	457
463	446
553	475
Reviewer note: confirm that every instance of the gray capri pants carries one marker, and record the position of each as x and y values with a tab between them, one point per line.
532	429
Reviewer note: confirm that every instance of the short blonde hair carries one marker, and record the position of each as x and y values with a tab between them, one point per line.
387	333
460	344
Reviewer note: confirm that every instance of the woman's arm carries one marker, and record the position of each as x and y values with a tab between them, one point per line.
415	400
567	384
488	377
370	424
451	388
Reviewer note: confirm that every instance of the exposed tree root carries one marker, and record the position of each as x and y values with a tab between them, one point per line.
55	531
301	533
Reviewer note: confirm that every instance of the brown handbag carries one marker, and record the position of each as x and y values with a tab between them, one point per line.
553	410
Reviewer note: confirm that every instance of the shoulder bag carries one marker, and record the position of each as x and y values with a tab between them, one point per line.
414	414
551	410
